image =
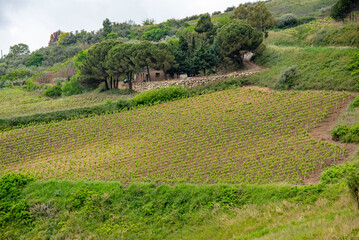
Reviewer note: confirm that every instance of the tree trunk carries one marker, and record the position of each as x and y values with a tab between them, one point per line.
106	84
204	71
148	74
111	84
164	72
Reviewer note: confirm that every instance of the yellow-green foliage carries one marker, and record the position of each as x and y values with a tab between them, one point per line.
234	136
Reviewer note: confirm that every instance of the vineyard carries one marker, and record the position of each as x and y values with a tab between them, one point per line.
235	136
17	102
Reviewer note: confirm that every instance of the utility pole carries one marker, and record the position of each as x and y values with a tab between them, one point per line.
1	54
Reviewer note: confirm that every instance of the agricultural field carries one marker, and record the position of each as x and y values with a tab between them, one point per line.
240	135
18	102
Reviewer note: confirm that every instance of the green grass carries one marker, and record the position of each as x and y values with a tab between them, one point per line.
18	102
107	210
320	68
302	8
322	32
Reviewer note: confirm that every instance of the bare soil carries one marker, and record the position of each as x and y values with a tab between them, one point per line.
322	133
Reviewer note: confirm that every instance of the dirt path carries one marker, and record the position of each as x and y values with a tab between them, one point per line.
322	133
249	65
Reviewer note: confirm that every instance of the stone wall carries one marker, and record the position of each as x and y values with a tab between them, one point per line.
188	82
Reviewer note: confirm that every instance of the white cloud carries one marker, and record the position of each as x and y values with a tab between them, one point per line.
32	21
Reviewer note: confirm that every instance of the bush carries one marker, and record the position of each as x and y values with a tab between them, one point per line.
355	103
71	87
161	95
353	184
287	78
287	20
54	91
30	84
339	131
337	173
13	207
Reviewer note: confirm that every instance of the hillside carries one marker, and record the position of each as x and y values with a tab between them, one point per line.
197	140
246	156
323	32
320	68
302	8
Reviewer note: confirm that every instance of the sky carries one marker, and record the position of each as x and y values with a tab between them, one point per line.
33	21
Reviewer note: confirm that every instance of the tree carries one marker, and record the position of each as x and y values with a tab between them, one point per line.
165	59
144	56
94	68
121	61
148	22
35	59
205	58
343	8
107	27
19	49
112	35
235	39
204	24
258	16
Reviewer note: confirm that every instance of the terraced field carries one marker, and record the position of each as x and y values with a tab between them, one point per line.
236	136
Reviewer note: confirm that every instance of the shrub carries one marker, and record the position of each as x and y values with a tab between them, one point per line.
161	95
30	84
71	87
287	78
353	184
355	103
54	91
336	173
287	20
13	207
339	131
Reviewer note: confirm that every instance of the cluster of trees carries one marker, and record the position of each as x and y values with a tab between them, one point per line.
112	60
344	8
199	51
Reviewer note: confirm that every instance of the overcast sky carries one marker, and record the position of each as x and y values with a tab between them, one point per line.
32	21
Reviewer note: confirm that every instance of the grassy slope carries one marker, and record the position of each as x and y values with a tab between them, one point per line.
320	67
97	210
301	8
321	32
18	102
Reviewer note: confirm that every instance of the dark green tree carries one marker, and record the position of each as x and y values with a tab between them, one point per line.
235	39
204	24
343	8
144	55
165	59
35	59
205	58
94	68
121	62
107	27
